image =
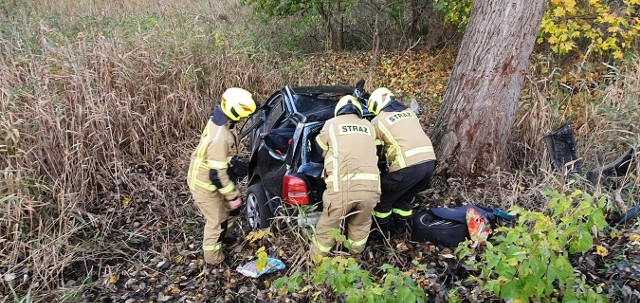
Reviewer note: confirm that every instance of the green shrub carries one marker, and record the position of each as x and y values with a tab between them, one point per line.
351	283
531	260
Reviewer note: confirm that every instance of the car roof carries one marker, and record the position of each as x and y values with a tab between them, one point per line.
319	90
317	103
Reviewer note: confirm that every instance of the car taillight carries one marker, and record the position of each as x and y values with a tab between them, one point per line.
295	191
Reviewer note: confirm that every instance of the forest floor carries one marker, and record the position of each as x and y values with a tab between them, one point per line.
160	260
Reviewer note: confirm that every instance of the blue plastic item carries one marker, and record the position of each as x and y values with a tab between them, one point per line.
251	270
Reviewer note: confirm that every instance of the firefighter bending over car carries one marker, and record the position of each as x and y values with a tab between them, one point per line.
410	161
351	175
209	178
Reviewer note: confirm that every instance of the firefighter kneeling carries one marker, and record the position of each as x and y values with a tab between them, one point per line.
352	178
410	160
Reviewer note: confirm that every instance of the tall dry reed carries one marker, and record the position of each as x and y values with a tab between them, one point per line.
601	101
82	102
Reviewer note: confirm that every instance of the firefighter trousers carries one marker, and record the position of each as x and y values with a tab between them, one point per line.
400	188
215	210
348	211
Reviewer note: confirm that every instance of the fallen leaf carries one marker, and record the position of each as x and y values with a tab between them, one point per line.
401	246
258	234
601	250
616	234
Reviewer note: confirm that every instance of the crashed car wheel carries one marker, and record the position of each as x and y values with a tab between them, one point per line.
258	212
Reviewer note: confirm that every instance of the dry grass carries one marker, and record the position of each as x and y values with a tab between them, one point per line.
84	102
601	101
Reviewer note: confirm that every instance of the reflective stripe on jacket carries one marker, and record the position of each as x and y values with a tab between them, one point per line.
213	152
405	142
350	161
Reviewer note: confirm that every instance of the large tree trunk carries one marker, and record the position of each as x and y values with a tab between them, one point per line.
481	98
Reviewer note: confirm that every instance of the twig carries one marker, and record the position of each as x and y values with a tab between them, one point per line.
617	198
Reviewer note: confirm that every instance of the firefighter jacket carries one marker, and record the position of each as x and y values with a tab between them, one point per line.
350	161
210	160
400	131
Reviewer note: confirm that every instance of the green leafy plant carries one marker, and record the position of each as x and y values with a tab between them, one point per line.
530	261
351	283
602	26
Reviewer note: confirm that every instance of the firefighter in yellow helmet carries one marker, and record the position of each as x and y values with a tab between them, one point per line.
352	177
209	178
410	161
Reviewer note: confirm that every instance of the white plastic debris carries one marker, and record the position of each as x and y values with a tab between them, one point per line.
415	107
250	269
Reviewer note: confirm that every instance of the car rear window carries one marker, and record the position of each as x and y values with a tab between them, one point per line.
312	103
317	103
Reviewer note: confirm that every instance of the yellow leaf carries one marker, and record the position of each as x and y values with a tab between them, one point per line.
257	235
126	201
262	259
616	234
601	250
634	238
570	6
113	279
617	54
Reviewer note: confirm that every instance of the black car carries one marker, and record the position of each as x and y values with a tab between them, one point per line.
286	164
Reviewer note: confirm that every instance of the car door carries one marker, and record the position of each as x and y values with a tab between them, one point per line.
267	164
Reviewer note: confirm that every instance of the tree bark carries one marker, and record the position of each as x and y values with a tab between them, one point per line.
341	36
325	13
480	102
415	16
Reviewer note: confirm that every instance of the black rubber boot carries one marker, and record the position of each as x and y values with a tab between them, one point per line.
230	239
379	229
400	225
224	238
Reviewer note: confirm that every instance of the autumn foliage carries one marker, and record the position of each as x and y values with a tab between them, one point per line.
599	26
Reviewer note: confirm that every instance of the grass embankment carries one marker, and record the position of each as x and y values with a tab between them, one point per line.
101	106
